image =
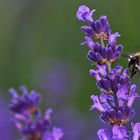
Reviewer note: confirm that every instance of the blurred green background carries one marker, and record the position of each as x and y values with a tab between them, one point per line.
39	48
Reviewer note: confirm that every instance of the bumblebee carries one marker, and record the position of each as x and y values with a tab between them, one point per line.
134	63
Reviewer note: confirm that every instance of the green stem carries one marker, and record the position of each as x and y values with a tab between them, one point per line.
114	94
102	42
115	99
108	67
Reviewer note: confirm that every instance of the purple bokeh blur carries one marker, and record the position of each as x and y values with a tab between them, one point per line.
7	129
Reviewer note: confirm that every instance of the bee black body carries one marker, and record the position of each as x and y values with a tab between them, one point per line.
134	64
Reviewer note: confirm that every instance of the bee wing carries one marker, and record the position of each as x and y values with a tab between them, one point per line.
124	55
138	67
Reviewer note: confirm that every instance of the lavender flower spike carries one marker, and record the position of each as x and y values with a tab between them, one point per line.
28	118
117	94
27	102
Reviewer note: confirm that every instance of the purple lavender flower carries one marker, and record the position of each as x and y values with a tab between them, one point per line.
117	94
104	134
116	82
38	128
98	29
34	129
112	39
118	133
56	134
26	103
104	55
84	13
28	118
136	131
115	102
99	73
111	114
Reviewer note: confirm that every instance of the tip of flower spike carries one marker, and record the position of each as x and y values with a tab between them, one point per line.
84	13
13	92
24	103
23	89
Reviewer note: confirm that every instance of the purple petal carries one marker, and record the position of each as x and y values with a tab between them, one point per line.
48	114
119	133
13	93
117	55
136	131
132	95
118	69
119	48
23	90
92	56
104	52
105	25
88	30
106	84
104	134
95	73
103	20
110	53
97	104
126	73
98	26
84	13
102	70
122	92
89	42
57	133
99	57
112	39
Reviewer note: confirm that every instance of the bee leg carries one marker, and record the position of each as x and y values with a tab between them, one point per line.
133	71
129	65
138	69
